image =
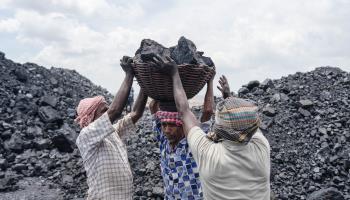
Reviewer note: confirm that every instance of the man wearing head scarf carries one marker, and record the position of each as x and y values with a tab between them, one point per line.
179	170
100	140
236	163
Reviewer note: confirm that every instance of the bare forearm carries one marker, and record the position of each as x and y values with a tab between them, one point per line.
208	103
188	118
179	94
116	108
139	107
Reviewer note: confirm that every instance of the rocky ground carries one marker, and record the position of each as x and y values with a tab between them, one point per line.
306	117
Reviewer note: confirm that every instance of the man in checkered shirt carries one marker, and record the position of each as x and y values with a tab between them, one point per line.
179	169
100	142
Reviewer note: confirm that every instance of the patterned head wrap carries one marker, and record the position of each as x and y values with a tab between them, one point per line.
236	120
172	117
86	110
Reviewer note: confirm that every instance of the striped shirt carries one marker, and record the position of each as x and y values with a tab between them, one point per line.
105	158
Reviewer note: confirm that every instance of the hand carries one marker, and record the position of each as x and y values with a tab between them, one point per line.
225	87
153	106
210	81
125	63
167	67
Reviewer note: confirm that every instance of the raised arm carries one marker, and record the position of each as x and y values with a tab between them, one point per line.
208	109
154	106
139	107
189	120
225	87
116	108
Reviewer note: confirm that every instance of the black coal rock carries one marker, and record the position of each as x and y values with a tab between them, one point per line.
326	194
185	52
253	84
49	115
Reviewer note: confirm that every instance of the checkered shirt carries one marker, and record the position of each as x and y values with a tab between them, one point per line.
179	170
105	158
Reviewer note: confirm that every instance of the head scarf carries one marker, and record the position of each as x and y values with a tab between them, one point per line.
86	110
171	117
236	120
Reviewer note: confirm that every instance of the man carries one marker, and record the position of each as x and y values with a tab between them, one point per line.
179	169
101	147
237	164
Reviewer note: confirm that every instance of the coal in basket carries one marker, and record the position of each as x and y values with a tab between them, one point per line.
195	69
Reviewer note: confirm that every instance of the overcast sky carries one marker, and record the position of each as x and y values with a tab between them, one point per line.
247	39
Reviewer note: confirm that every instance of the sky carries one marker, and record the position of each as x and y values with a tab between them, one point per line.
246	39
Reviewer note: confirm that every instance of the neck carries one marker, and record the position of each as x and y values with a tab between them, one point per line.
173	144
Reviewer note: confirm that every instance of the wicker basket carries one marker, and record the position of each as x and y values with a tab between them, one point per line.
159	86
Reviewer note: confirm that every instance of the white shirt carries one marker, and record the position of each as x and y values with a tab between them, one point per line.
231	170
105	158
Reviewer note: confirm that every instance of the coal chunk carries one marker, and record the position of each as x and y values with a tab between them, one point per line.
253	84
21	74
185	52
326	194
269	111
305	103
15	144
150	49
49	101
48	114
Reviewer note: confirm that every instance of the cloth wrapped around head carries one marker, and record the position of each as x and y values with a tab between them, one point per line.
236	120
171	117
86	110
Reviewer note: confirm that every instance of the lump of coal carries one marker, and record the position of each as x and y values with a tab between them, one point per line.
149	49
185	52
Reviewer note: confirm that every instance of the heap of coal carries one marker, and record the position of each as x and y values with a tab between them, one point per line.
306	117
38	133
38	155
185	52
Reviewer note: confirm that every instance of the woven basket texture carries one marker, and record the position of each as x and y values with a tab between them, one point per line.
159	86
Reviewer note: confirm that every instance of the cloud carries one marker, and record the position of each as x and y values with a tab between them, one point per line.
9	25
87	9
246	39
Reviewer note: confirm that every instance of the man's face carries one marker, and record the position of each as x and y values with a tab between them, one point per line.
102	108
172	132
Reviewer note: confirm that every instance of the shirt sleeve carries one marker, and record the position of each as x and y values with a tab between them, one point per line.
124	125
91	136
260	139
199	144
157	128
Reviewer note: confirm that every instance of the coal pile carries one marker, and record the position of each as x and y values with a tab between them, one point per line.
306	117
38	155
185	52
143	153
